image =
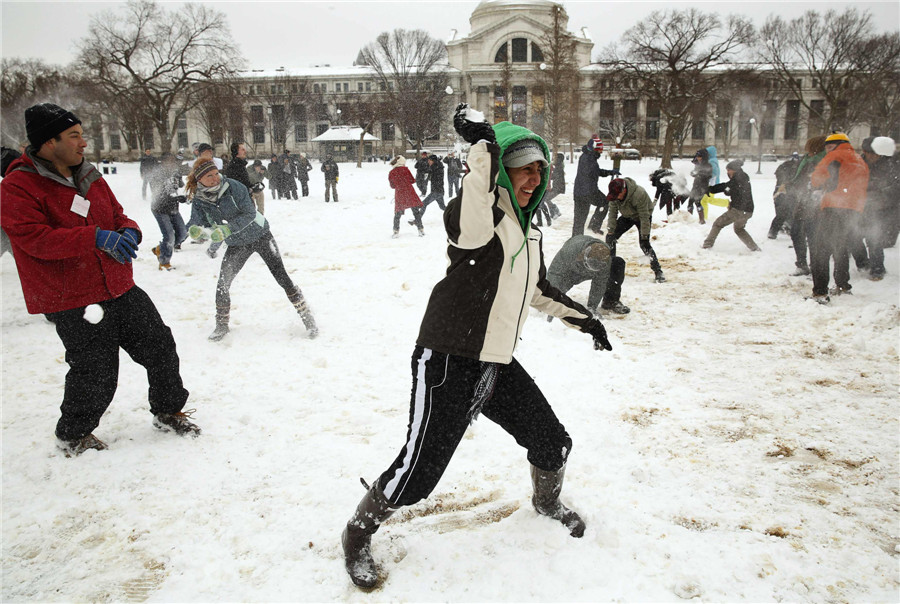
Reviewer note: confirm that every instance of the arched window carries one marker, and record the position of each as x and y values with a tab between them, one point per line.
519	52
501	54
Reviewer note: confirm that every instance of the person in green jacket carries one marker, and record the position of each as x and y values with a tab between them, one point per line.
630	205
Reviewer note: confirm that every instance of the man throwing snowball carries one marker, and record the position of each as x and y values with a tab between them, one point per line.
73	247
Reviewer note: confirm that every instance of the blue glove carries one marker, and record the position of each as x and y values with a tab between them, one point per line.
121	247
132	236
615	172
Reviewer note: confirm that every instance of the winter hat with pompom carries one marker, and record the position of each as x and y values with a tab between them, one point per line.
596	144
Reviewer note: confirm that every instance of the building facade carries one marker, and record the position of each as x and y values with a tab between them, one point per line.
495	68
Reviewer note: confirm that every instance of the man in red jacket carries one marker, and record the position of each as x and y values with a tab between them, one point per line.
840	179
73	246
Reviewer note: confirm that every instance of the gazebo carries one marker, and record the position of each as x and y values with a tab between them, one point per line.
342	142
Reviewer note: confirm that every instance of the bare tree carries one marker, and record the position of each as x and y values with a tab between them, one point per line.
24	83
672	55
364	110
164	59
558	78
289	101
221	111
410	67
838	54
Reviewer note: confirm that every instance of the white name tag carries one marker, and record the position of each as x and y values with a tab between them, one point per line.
80	206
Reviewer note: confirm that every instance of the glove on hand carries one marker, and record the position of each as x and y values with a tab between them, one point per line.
121	247
132	236
469	131
595	328
220	233
179	198
645	245
198	233
610	240
258	187
615	172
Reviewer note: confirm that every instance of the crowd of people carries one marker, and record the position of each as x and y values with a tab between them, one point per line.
833	201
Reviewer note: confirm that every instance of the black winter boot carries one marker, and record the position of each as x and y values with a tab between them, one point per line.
372	510
221	330
547	486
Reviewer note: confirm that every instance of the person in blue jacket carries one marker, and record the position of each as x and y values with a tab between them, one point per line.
226	209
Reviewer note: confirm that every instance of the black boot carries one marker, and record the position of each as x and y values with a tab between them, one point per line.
547	486
372	510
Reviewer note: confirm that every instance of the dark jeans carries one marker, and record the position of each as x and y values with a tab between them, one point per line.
582	208
304	186
453	184
622	226
444	388
237	255
437	196
417	217
130	322
173	232
833	229
613	292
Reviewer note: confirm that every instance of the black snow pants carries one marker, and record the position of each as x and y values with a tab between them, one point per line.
445	390
130	322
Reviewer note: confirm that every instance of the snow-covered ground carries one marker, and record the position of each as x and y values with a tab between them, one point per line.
738	444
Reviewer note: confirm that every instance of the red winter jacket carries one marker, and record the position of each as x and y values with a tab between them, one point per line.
401	180
844	177
59	265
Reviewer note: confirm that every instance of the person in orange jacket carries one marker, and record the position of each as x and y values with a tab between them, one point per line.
839	180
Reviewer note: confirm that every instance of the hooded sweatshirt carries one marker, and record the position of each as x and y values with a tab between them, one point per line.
495	263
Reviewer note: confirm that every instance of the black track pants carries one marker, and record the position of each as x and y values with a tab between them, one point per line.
442	396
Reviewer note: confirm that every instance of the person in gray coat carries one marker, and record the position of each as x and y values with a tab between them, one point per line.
584	258
225	207
630	205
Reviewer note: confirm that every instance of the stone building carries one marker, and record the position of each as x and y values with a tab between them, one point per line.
288	108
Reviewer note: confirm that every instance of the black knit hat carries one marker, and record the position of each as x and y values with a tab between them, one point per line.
46	120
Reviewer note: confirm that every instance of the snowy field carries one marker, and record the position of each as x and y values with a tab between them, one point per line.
738	444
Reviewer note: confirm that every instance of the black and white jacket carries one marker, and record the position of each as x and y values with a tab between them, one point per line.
479	308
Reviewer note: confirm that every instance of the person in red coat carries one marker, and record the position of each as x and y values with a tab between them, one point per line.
73	247
405	197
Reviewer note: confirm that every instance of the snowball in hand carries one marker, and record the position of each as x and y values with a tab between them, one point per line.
473	115
93	314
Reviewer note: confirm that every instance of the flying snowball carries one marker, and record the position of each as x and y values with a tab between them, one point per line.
448	90
543	66
93	314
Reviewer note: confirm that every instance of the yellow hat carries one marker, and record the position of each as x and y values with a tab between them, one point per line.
836	138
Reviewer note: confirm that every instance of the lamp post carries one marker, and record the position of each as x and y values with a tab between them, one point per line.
754	123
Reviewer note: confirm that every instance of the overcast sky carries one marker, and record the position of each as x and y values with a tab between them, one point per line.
303	33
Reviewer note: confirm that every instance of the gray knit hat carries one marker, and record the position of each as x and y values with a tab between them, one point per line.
523	152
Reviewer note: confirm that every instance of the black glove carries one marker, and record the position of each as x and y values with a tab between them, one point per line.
471	132
615	172
178	198
644	242
610	240
258	187
595	328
